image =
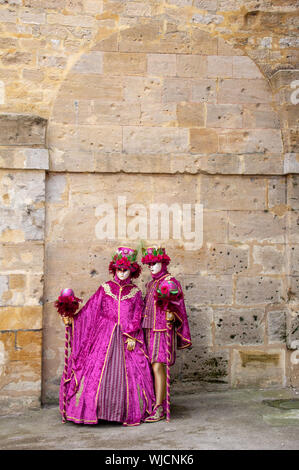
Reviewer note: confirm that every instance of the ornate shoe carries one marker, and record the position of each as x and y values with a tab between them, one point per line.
157	414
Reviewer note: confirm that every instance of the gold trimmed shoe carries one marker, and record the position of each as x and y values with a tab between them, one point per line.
156	415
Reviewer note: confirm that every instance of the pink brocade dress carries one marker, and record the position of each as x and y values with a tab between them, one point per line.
106	381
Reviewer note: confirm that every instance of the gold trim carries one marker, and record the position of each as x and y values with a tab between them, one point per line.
107	290
79	393
124	355
131	294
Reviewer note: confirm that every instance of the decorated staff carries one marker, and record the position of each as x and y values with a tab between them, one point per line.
165	322
67	305
167	292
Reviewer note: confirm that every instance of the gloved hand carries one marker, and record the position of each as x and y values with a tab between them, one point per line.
131	344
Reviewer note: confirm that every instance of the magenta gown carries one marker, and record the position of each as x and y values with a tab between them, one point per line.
106	381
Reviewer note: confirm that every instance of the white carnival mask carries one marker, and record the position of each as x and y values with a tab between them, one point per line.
155	268
122	275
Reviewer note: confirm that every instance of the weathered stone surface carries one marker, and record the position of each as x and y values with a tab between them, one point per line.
18	318
258	367
256	226
231	192
244	91
150	140
191	114
269	259
227	259
212	289
116	63
24	210
161	64
239	326
203	364
277	328
21	129
259	290
224	115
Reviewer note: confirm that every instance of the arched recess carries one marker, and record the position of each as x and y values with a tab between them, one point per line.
182	118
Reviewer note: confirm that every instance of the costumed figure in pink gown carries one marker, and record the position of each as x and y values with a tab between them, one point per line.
165	326
108	373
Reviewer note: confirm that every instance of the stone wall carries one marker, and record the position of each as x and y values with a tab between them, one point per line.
175	102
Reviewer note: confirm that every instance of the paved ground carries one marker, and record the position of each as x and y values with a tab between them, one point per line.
204	417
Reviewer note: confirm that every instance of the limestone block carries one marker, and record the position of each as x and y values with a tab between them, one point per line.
262	289
293	223
137	9
3	289
224	115
277	326
220	66
45	60
200	322
260	116
293	191
277	194
202	363
203	141
239	326
256	226
244	91
18	318
156	114
22	129
89	87
122	63
232	192
152	139
22	158
224	48
202	42
142	37
84	21
293	259
175	41
250	141
24	257
204	90
258	367
269	259
253	164
25	211
176	90
212	289
161	65
291	163
84	138
211	220
142	89
227	259
191	114
191	65
33	16
244	67
91	62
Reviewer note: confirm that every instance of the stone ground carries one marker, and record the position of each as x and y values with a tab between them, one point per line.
204	417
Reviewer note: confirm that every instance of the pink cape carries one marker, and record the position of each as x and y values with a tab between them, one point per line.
105	380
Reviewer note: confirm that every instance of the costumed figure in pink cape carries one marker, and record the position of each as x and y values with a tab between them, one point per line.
165	325
108	375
